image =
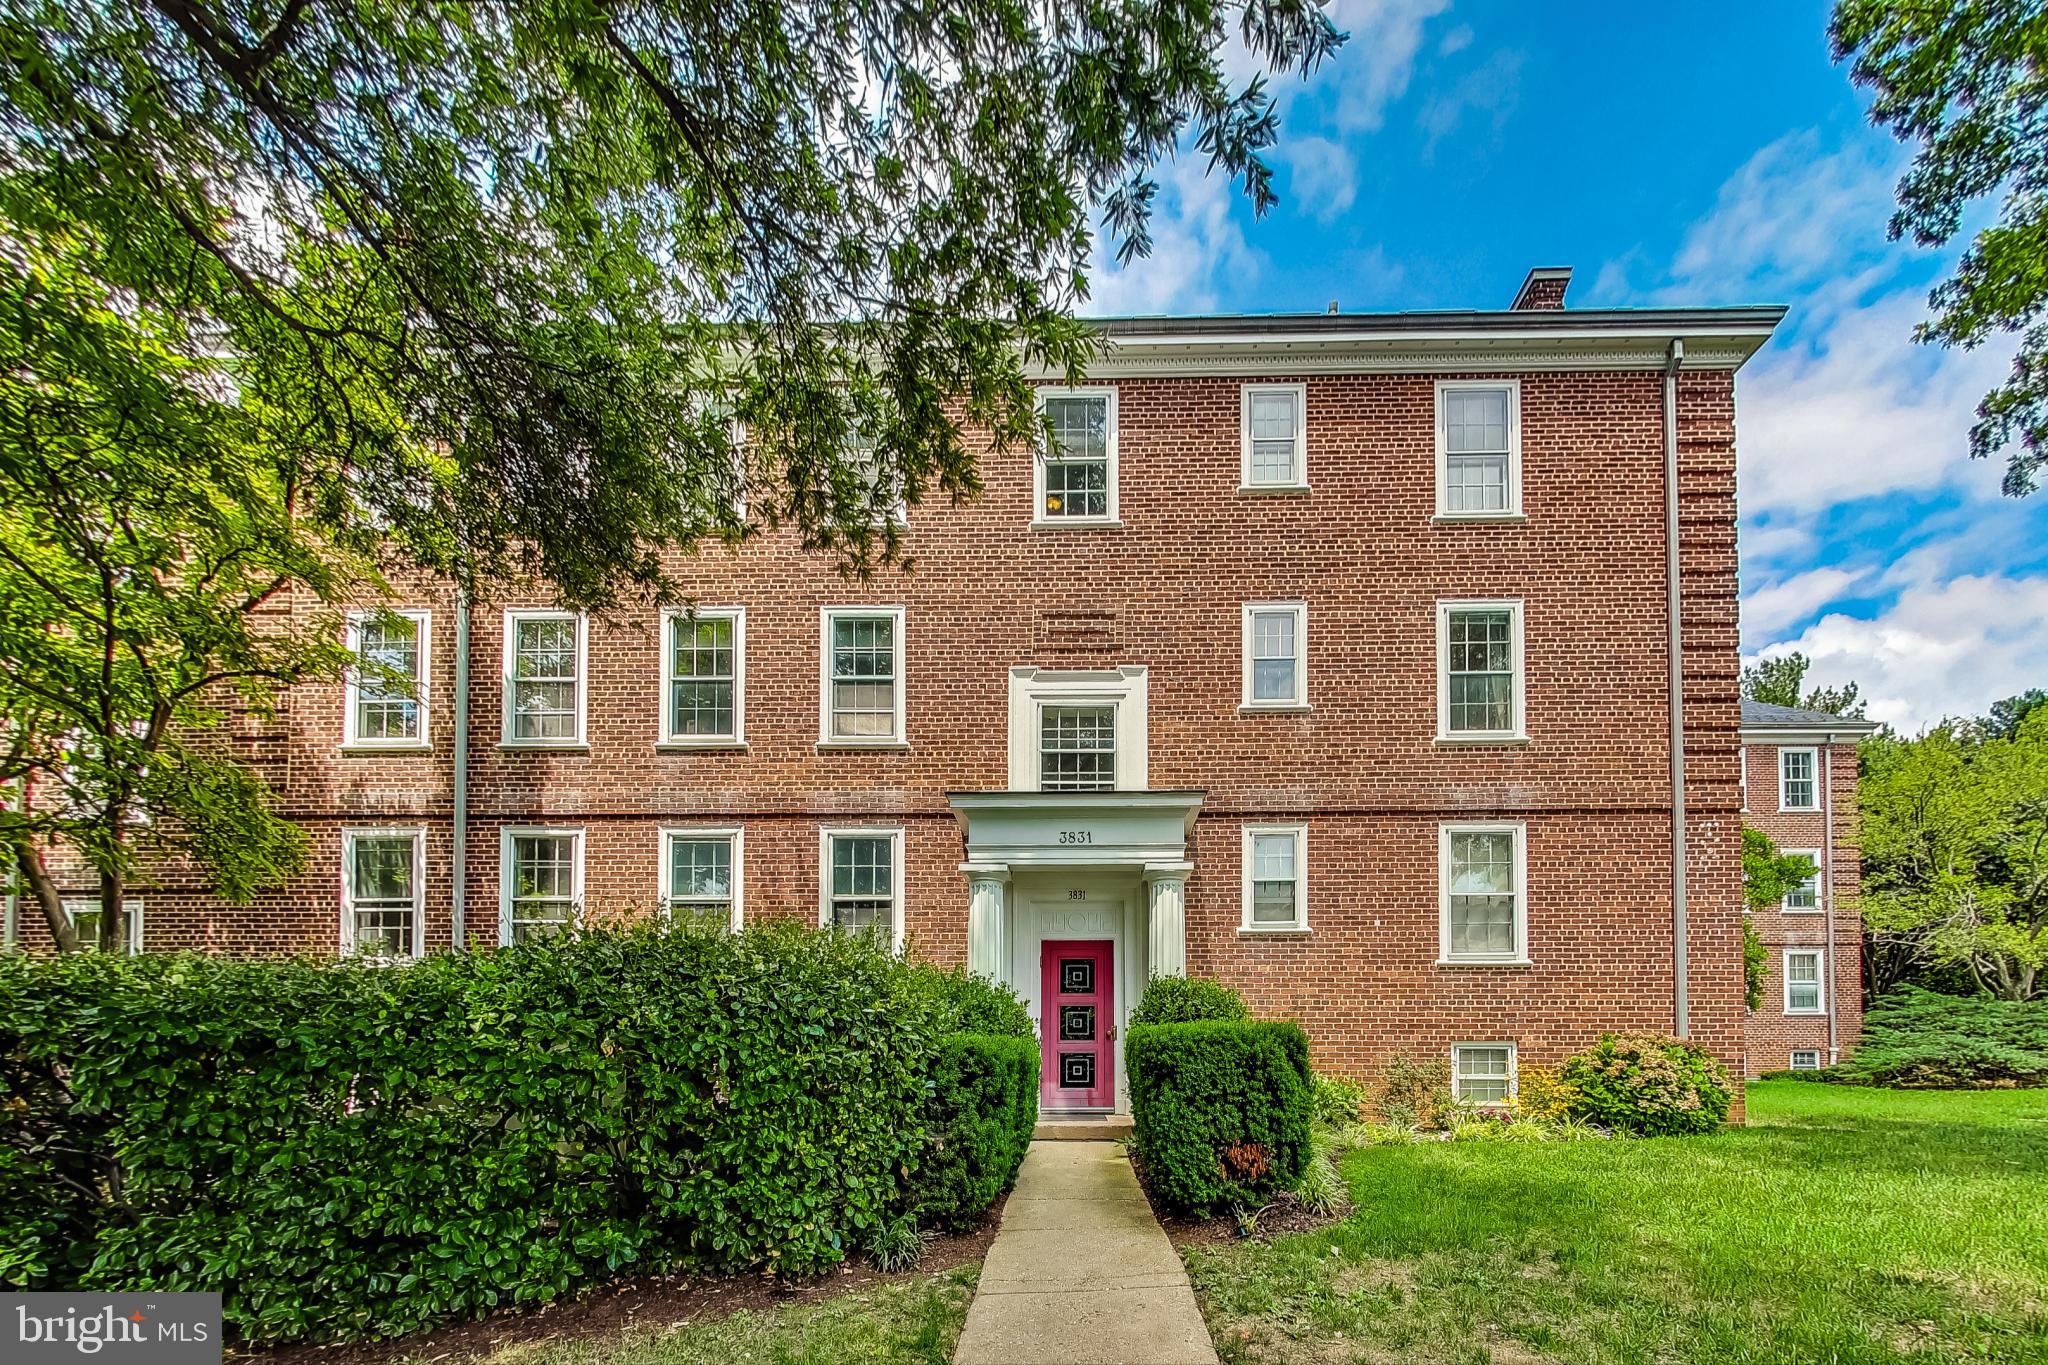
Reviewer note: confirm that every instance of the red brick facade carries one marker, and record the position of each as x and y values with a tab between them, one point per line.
1833	927
1362	766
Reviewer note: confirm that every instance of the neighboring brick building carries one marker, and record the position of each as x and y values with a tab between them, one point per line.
1327	655
1799	787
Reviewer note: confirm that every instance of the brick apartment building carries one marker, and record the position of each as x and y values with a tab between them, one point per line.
1332	656
1799	787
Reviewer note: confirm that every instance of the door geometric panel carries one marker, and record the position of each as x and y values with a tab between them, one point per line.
1077	1070
1077	1023
1077	976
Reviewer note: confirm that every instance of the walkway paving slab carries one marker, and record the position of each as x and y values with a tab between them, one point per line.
1080	1272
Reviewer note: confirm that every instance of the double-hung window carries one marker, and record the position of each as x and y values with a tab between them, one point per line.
1798	783
700	876
85	922
1273	436
1478	448
862	874
1077	748
1802	981
1275	664
1076	474
380	892
1806	894
540	882
861	653
387	687
704	677
1484	898
1479	671
1483	1073
1275	894
544	667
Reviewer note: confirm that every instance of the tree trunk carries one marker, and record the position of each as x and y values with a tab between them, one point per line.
113	911
40	885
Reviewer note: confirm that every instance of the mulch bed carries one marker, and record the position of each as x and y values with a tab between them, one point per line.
650	1301
1282	1216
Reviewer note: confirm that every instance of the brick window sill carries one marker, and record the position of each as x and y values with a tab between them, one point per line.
1275	933
1478	518
1484	741
826	746
370	750
527	747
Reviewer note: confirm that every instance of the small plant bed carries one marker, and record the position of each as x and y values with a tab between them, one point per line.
1286	1214
657	1315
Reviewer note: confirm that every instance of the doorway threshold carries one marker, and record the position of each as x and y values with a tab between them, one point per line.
1097	1127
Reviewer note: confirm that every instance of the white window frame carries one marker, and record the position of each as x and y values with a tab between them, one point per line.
507	736
1785	906
894	834
736	835
74	906
1813	756
1820	980
1245	482
1297	702
1742	775
898	635
1513	510
1032	689
418	835
1519	733
1519	957
1299	924
505	837
1039	520
666	736
1792	1059
351	736
1458	1076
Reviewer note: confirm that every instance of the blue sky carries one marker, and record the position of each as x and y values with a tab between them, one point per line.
1694	154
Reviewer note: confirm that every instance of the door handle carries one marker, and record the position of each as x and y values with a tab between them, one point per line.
1109	1034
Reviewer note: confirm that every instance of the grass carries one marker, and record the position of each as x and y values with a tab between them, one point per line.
1842	1226
909	1322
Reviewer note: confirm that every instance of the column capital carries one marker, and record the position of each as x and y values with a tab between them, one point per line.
1168	872
986	872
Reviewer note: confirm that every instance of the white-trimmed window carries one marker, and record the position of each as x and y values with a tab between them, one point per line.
1273	422
703	677
544	670
1478	448
1483	1073
1075	480
701	874
1479	670
1275	866
1806	895
1802	981
1805	1059
1798	779
1742	775
861	882
1077	748
860	655
381	875
387	687
540	881
85	922
1484	906
1078	730
864	453
1275	662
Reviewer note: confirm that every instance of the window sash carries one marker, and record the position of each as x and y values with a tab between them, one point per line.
1275	878
1482	895
1275	650
387	688
1805	1059
862	897
1477	447
546	677
1077	748
702	876
1480	668
1076	464
1806	895
1797	775
703	677
863	678
383	894
1273	428
545	893
1483	1073
1802	983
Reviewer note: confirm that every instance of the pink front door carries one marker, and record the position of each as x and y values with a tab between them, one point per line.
1077	1031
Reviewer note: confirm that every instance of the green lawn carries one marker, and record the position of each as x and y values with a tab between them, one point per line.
1841	1226
911	1322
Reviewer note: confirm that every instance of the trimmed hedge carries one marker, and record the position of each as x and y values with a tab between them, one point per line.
1649	1085
1915	1039
1188	1000
346	1151
1220	1110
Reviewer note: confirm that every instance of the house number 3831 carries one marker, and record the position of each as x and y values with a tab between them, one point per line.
1077	836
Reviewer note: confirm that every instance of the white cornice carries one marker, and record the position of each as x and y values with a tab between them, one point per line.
1410	354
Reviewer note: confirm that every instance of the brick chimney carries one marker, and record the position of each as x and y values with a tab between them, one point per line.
1544	288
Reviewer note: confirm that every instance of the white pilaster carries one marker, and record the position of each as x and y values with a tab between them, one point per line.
1167	918
985	885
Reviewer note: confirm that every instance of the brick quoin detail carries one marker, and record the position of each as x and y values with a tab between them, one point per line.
1361	768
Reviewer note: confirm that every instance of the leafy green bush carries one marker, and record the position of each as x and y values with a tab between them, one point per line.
970	1004
1338	1101
1188	1000
980	1117
1649	1085
345	1150
1220	1110
1416	1094
1916	1039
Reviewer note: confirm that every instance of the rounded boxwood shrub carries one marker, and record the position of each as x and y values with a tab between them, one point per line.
1188	1000
1648	1084
1220	1110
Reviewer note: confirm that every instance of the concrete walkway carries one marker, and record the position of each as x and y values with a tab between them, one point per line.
1080	1273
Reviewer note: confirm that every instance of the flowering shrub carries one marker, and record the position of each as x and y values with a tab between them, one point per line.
1649	1085
1416	1094
1540	1094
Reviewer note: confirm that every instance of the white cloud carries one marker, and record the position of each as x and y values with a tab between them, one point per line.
1325	179
1195	240
1492	89
1774	606
1944	648
1369	73
1457	40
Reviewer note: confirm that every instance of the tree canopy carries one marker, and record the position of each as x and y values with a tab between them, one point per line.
1781	681
1963	80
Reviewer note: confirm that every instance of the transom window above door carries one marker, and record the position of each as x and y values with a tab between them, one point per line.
703	677
1479	448
1077	748
1076	473
861	700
